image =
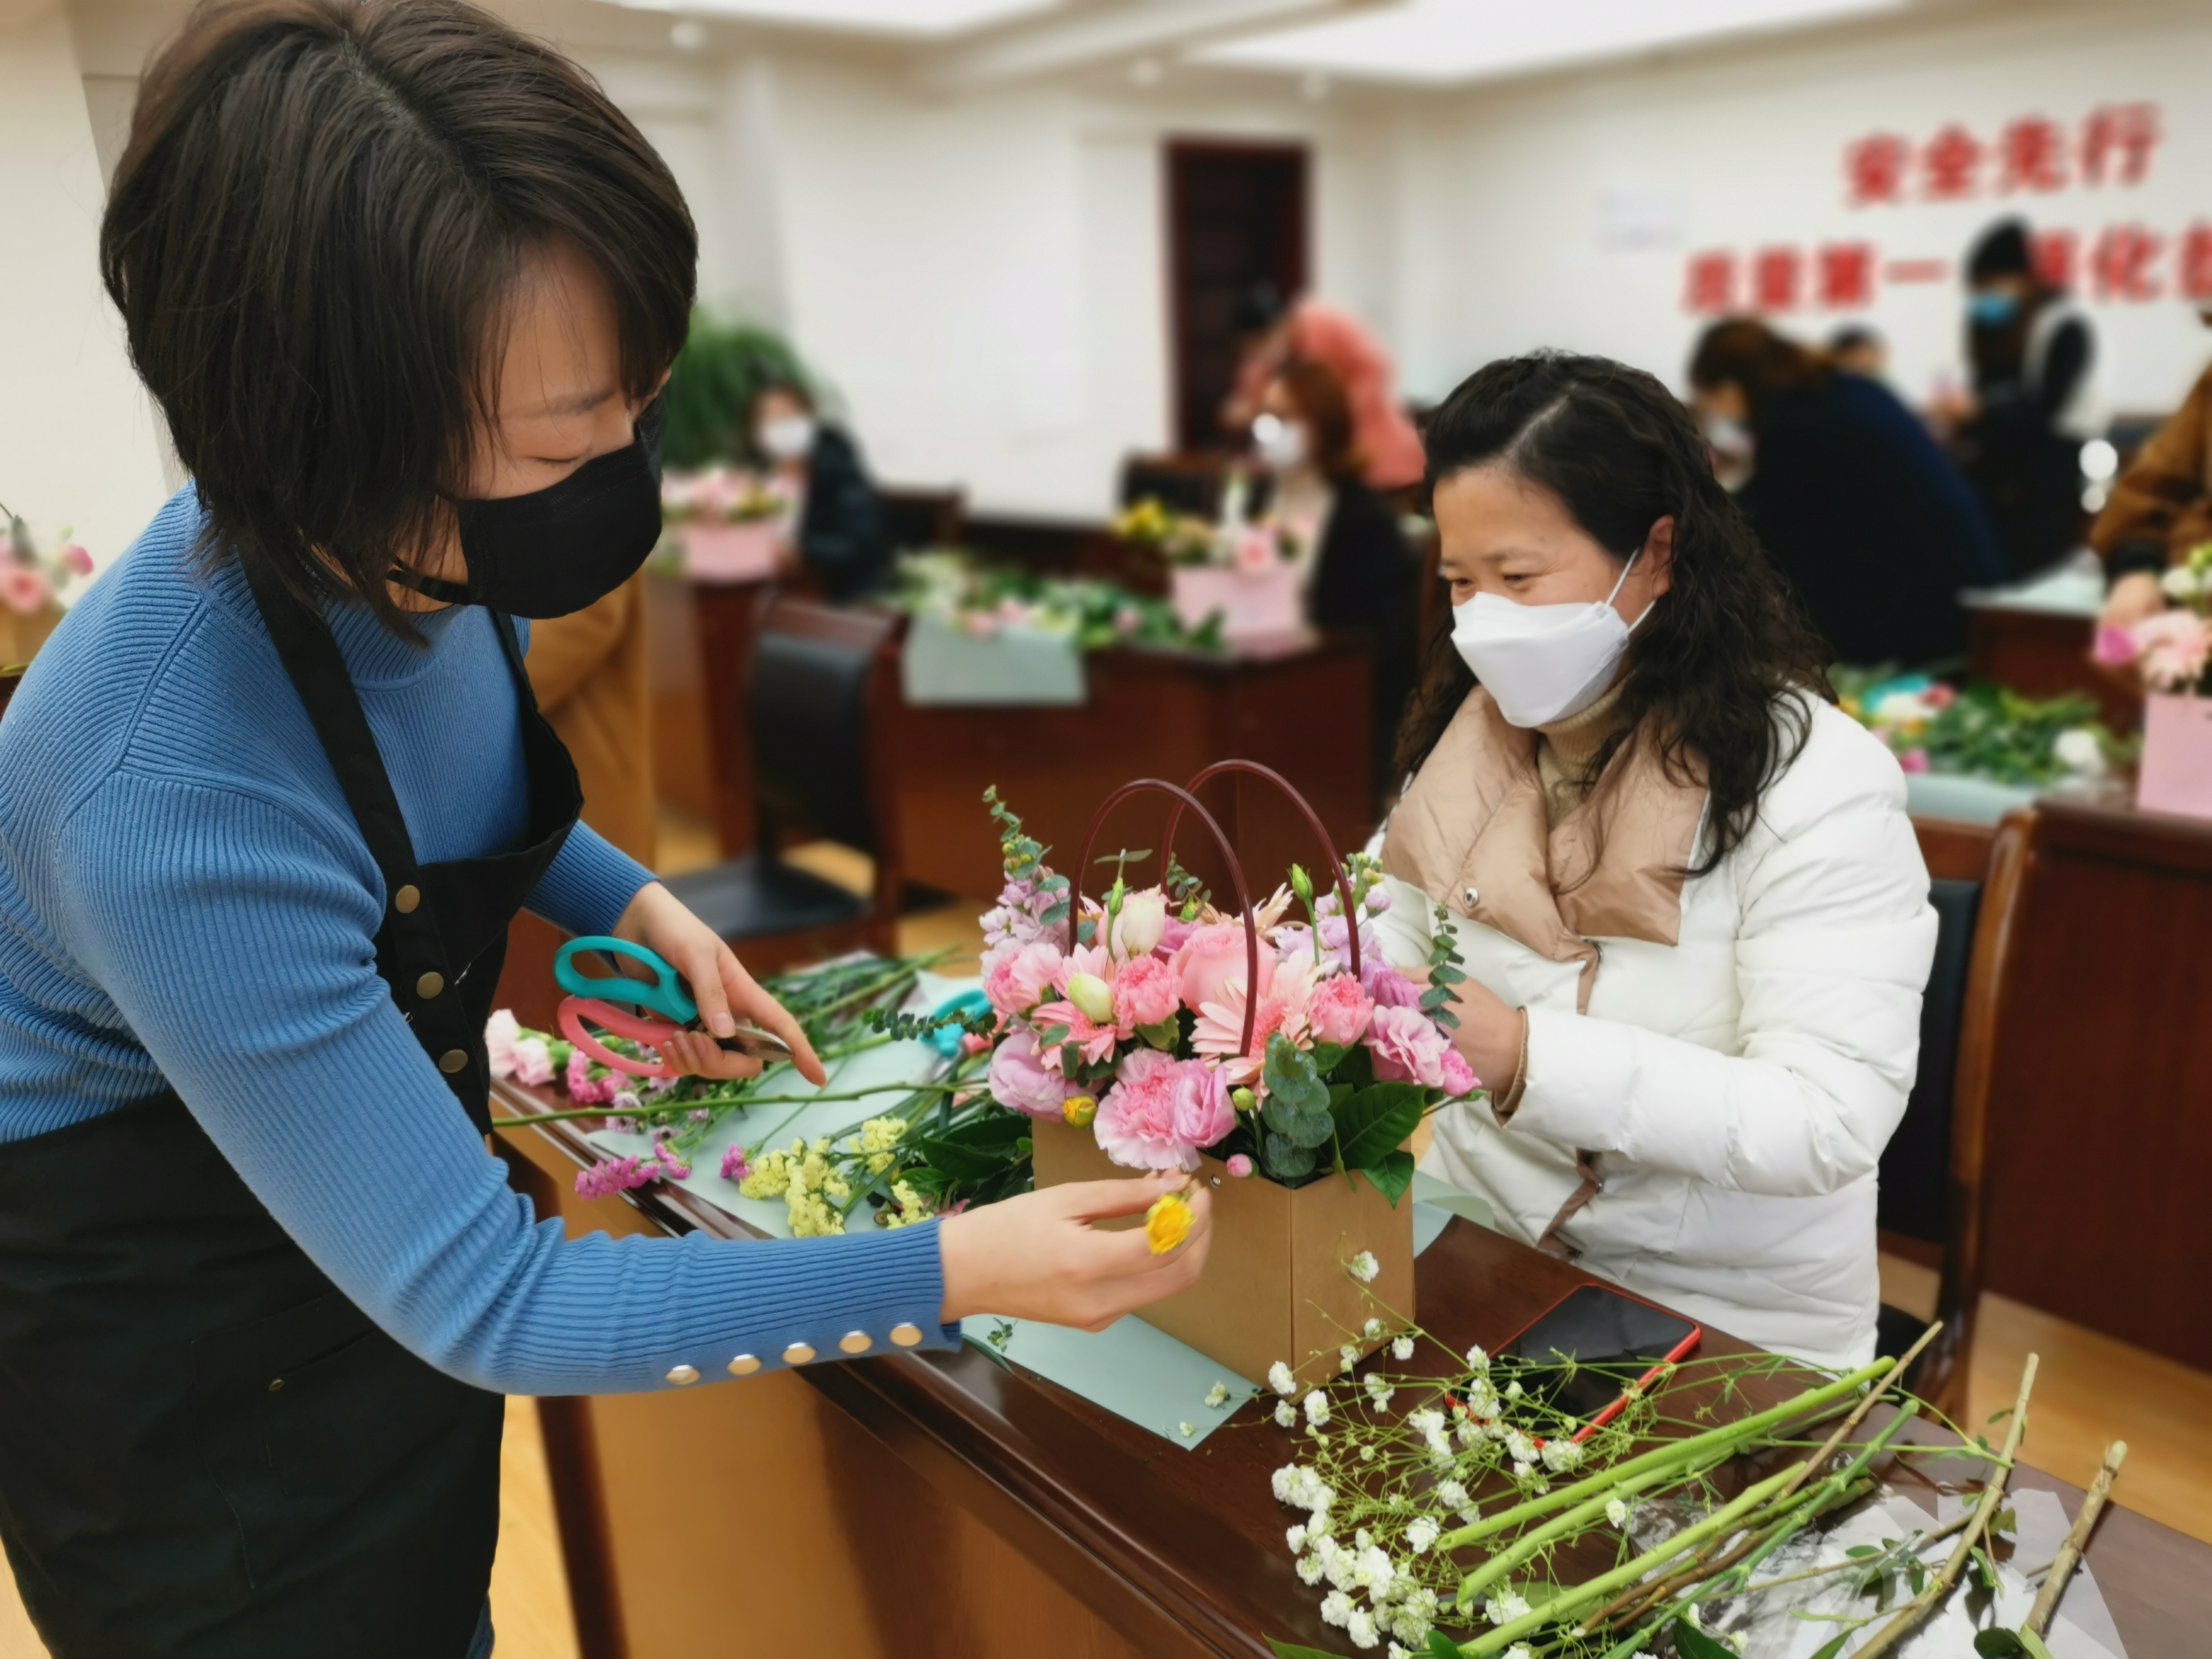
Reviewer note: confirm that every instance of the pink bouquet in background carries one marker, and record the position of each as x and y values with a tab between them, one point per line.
30	579
1137	1028
2174	648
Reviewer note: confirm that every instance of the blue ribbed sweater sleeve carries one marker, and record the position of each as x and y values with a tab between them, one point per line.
233	936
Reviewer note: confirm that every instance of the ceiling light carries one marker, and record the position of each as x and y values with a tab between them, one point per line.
1452	41
917	19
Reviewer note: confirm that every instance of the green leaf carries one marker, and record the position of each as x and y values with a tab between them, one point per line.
2033	1643
1858	1551
1441	1646
1998	1644
1691	1642
1292	1650
1999	1417
2004	1520
1834	1646
1287	1160
1297	1100
1326	1055
1985	1568
962	1163
1164	1034
1374	1122
1052	1035
1391	1176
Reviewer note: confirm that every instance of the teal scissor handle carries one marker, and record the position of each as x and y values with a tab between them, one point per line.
665	996
947	1041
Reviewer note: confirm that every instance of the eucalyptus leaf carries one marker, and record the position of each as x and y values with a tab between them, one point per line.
1287	1160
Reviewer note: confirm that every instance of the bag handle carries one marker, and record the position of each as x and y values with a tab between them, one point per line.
1181	799
1188	792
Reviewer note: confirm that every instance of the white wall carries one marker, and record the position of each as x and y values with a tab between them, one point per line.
1503	240
78	445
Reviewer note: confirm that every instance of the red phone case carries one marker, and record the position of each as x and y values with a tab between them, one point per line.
1697	1335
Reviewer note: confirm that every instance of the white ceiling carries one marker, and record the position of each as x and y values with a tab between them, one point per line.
1441	42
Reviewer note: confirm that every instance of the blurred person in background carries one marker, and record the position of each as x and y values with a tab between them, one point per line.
2019	432
1849	494
1358	573
2160	509
1858	350
1276	334
587	673
839	534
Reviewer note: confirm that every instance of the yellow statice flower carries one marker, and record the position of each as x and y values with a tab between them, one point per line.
907	1206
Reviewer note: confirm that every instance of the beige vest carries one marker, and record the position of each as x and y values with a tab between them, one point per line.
1472	834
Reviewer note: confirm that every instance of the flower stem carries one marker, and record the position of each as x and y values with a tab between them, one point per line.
696	1105
2062	1568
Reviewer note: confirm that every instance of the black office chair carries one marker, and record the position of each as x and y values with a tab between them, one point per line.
921	518
1181	483
817	710
1917	1201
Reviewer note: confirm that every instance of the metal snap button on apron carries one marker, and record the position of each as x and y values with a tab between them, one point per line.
855	1342
798	1353
453	1061
743	1366
406	899
906	1336
430	985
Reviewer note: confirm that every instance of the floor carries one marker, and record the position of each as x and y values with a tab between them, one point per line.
2090	1389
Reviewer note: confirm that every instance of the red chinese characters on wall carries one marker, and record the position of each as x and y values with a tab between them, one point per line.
2113	144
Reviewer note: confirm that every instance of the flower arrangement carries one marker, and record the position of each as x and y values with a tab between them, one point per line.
980	599
1447	1490
944	1145
1170	1033
1984	731
29	580
1186	539
721	494
2173	649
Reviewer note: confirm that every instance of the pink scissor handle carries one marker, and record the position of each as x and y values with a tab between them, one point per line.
574	1010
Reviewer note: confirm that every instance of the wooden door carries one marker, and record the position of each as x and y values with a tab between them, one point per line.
1237	218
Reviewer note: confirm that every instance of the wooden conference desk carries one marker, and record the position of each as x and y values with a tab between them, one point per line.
943	1505
1150	714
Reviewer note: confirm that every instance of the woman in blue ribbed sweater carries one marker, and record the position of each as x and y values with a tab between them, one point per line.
406	287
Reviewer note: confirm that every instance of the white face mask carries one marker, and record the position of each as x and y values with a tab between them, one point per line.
1281	443
1542	663
786	437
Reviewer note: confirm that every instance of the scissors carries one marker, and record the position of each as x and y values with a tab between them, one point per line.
592	996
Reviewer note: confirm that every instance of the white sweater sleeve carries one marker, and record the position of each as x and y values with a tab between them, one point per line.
1833	954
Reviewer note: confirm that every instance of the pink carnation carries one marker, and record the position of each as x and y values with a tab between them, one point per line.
1095	1041
1157	1105
1018	981
533	1063
1145	992
1408	1047
1019	1080
583	1088
1389	987
1339	1010
2176	645
501	1032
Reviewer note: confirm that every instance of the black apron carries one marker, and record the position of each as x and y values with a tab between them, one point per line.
205	1448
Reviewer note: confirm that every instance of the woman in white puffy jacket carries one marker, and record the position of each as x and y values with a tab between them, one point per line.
1683	886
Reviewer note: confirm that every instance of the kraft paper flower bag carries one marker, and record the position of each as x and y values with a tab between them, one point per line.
2173	652
2176	775
1131	1027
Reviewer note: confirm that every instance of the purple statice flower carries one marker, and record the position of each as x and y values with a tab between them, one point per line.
736	1166
670	1167
611	1175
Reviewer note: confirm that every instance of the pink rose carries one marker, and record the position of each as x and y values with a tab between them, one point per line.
1019	980
1240	1165
1202	1112
501	1031
1173	934
1339	1010
583	1088
1136	1124
1144	992
1019	1080
1460	1080
533	1063
1408	1047
1211	959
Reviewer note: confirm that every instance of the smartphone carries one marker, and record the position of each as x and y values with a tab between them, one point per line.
1594	1325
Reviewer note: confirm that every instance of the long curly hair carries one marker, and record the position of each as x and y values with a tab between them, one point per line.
1718	673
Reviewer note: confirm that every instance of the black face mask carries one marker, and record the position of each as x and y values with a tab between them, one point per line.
558	550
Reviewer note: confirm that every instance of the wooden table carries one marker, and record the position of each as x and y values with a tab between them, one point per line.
2041	653
1150	714
941	1504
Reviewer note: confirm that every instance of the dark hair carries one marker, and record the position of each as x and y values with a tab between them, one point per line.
1319	395
1763	363
1263	306
2002	250
1851	338
321	208
1712	668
